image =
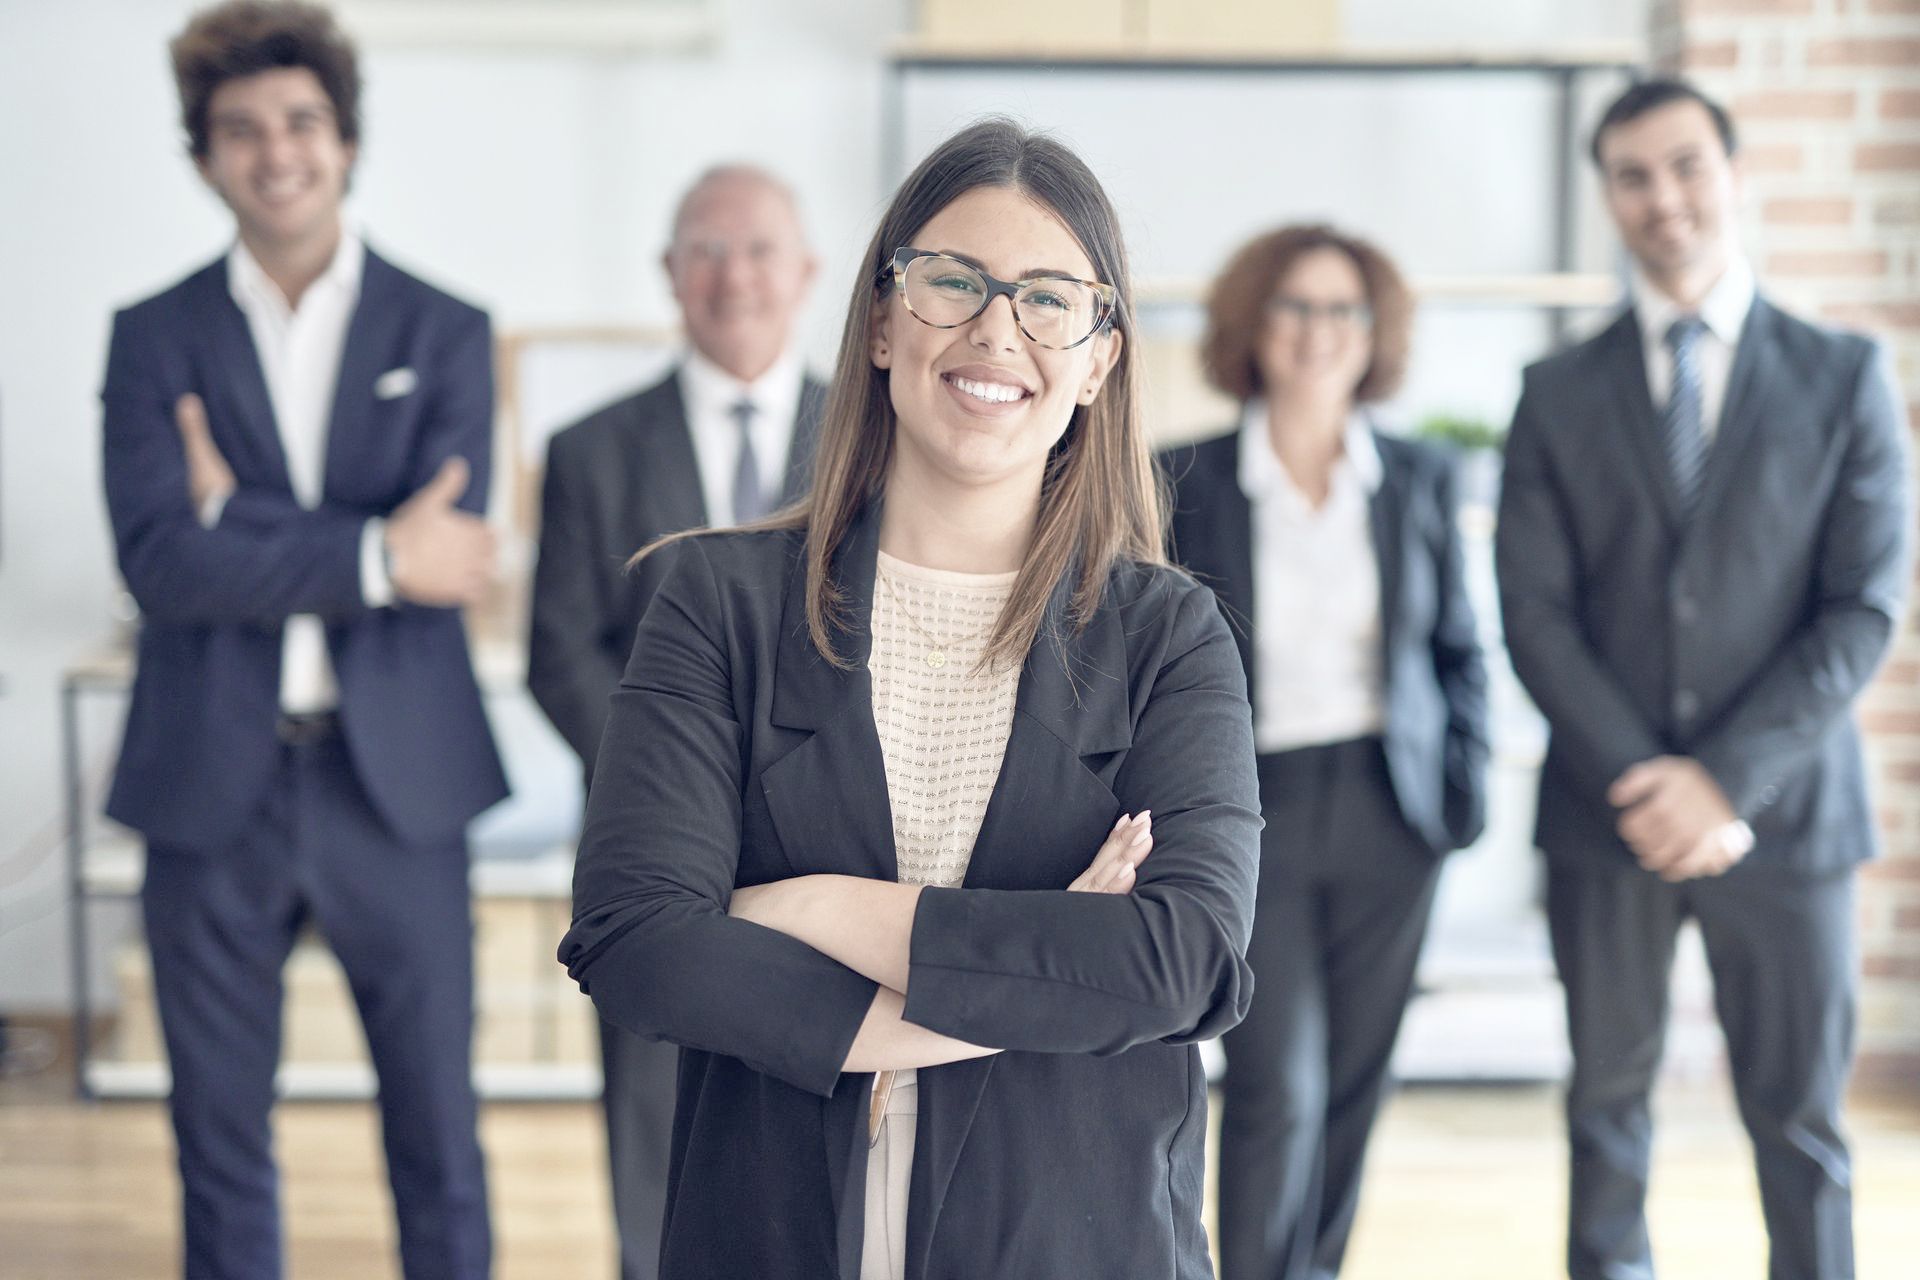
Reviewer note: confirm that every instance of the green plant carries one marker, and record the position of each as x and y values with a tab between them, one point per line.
1462	433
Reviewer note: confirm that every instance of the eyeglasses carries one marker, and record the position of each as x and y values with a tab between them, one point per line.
1059	312
712	251
1341	315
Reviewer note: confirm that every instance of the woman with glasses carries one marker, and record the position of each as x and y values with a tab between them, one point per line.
870	827
1334	549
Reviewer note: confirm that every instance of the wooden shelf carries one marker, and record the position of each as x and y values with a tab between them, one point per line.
1544	289
353	1082
113	866
917	51
499	664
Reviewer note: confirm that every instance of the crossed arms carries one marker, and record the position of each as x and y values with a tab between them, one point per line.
265	557
978	969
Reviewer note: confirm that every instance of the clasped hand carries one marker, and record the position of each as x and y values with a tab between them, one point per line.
1676	819
437	554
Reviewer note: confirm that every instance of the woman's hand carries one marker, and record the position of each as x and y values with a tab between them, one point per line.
1126	846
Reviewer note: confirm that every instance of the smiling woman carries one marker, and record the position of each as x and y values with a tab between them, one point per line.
871	820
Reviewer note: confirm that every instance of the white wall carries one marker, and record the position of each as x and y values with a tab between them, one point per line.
537	184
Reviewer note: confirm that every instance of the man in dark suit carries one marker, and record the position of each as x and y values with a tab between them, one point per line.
1702	556
723	439
296	451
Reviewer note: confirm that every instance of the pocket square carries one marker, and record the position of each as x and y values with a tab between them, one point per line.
395	383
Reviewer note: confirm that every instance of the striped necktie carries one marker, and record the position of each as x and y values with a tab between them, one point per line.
1686	436
748	501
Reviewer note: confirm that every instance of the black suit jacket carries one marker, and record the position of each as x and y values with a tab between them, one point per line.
736	755
1435	680
615	481
1739	637
199	749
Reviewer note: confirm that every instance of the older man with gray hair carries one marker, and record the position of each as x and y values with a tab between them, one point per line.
723	439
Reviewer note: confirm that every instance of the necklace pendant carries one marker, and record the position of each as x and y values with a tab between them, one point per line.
937	658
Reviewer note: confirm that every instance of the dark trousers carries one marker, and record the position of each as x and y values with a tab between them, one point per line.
639	1096
1346	888
1780	949
221	923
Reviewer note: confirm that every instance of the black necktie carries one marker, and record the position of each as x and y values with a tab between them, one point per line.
748	501
1686	436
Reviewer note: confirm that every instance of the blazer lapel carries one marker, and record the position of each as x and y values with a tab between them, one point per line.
1627	370
374	344
1386	512
828	802
828	796
1752	384
1072	708
806	432
663	467
251	439
1224	559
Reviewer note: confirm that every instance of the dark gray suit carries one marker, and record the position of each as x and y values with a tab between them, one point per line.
1348	860
615	481
1739	636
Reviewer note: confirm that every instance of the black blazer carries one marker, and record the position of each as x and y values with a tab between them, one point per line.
1435	680
1739	637
736	755
615	481
199	749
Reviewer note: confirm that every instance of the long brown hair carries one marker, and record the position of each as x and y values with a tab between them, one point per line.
1100	500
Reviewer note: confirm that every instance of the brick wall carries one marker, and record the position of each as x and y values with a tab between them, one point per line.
1827	97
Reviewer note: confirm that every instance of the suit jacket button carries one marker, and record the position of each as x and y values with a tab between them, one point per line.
1769	793
1685	704
1685	611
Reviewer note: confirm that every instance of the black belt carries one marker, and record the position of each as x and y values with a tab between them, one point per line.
306	729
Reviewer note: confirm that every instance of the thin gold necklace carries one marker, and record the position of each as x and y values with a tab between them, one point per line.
936	656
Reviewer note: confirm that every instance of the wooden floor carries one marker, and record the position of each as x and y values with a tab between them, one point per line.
1462	1183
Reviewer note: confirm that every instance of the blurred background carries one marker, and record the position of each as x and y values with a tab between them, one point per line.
527	157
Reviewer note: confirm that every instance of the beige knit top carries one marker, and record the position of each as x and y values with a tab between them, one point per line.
943	725
943	729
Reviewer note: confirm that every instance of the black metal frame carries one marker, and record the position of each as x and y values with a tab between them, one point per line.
1564	73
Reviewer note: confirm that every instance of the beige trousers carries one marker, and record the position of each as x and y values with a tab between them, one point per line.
883	1255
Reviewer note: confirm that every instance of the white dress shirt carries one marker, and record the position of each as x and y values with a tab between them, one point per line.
1723	310
1316	592
709	393
299	351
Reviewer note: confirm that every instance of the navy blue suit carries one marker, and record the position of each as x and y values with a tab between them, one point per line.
360	831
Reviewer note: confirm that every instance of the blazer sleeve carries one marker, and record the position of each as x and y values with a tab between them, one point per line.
1596	728
1054	971
1859	589
651	940
280	560
570	669
458	419
1461	670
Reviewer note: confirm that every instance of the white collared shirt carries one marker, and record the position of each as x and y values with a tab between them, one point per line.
299	351
1724	310
1316	592
709	393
